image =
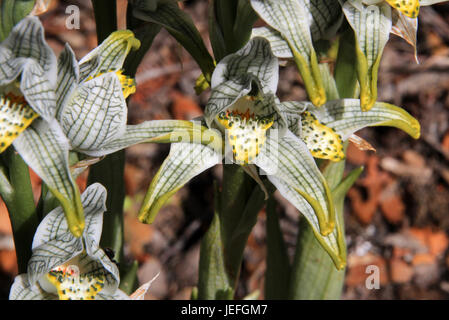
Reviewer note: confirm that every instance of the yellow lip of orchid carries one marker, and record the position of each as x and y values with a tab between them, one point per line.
71	284
15	116
128	83
410	8
322	141
246	133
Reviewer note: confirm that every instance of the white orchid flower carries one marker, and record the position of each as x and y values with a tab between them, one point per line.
67	267
293	26
82	107
282	139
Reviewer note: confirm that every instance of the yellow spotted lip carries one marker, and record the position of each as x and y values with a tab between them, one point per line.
246	133
15	116
322	141
72	285
410	8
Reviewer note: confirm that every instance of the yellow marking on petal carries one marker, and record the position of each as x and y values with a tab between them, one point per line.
15	116
128	83
246	134
322	141
72	285
408	7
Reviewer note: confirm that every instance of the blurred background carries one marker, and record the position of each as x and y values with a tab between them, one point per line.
396	215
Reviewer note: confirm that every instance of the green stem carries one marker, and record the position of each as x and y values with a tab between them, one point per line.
278	270
110	171
237	206
18	197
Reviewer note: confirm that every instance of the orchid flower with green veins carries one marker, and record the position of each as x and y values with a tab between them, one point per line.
27	77
404	17
293	26
66	267
372	26
252	122
29	106
282	139
88	116
372	22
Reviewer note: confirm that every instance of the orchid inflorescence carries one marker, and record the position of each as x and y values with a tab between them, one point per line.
56	109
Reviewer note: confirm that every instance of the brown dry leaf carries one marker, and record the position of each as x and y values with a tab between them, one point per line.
137	236
435	241
374	182
356	156
134	177
361	143
8	262
400	271
405	28
184	108
5	223
393	209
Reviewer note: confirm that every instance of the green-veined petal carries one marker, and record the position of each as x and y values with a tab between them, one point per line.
255	59
185	161
27	40
96	113
161	131
279	46
333	243
291	19
372	26
46	151
346	117
109	55
68	78
22	290
288	158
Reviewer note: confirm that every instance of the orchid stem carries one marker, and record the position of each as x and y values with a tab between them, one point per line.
19	199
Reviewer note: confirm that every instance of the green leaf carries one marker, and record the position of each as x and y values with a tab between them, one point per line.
185	161
345	71
314	276
277	274
372	26
11	12
180	25
17	193
46	151
291	19
230	24
212	272
345	117
329	83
